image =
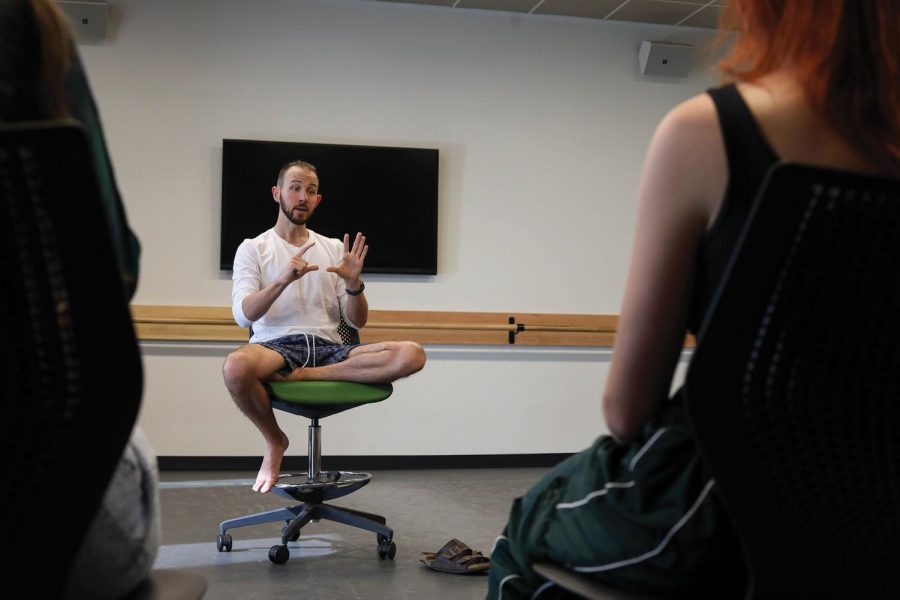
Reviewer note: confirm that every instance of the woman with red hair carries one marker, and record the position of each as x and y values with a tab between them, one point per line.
811	82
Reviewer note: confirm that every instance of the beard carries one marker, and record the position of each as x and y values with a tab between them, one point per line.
296	217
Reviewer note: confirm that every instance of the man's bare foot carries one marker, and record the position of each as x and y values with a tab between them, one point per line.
271	466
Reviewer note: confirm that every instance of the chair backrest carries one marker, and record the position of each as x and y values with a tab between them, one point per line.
794	386
71	370
348	334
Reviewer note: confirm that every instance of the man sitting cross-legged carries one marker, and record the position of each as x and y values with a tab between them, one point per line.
293	286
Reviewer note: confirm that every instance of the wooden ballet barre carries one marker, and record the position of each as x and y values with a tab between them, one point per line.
215	323
488	327
445	326
183	320
225	321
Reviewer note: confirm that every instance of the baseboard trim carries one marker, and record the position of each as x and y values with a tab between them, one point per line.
364	463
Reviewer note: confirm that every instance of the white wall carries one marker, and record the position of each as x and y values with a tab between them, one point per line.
541	122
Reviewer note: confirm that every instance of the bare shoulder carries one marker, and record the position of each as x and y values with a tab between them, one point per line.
694	125
686	159
697	110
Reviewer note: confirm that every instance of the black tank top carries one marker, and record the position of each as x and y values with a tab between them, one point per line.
749	157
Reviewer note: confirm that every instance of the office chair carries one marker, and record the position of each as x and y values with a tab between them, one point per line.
316	400
70	366
794	385
793	388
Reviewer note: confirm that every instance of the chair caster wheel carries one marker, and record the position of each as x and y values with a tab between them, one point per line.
386	549
223	542
294	537
279	554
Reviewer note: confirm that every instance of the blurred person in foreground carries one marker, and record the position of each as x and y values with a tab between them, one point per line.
41	78
811	82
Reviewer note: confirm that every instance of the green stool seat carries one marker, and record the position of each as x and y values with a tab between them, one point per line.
318	399
322	393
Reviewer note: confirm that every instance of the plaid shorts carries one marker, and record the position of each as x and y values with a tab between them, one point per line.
303	350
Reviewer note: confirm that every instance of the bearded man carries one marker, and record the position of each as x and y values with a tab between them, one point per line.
292	287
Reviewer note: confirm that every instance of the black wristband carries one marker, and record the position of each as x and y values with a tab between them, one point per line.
350	292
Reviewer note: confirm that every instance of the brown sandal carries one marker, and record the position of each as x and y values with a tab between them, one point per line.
456	557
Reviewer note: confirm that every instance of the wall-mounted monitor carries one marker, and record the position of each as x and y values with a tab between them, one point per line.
390	194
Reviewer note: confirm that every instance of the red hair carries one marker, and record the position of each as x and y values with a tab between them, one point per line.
846	54
55	56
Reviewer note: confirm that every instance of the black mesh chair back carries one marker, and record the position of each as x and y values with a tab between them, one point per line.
348	334
794	387
70	363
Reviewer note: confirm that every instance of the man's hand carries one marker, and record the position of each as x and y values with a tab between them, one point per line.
352	261
298	267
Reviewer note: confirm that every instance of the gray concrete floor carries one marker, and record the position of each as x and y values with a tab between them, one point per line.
333	561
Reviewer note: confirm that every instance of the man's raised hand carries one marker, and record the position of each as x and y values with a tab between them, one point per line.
352	262
299	267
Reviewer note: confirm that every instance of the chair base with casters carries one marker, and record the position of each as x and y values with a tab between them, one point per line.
316	400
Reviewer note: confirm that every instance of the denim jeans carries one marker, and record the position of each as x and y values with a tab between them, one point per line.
122	542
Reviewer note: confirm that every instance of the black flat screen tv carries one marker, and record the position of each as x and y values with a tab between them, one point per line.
390	194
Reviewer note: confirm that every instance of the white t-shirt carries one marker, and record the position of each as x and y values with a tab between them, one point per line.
313	304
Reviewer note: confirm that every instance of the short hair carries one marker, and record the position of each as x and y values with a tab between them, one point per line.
301	164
